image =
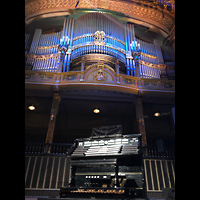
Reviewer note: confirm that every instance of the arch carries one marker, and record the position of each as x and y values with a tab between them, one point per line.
99	72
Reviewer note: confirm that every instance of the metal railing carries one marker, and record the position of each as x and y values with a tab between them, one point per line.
43	148
152	152
62	148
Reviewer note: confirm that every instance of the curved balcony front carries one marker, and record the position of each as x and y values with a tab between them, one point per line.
100	77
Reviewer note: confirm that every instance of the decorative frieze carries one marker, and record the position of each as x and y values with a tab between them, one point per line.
133	9
45	56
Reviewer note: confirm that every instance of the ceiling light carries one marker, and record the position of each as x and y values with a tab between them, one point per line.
157	114
31	107
96	110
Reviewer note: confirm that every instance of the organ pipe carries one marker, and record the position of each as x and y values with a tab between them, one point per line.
119	40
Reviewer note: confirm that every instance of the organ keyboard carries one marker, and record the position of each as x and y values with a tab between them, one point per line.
105	166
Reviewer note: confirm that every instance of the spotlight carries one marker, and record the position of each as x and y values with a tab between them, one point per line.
157	114
96	110
31	107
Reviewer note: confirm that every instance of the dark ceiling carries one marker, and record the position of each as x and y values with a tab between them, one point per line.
75	114
82	103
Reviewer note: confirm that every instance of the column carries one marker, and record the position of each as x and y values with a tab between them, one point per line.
140	120
52	120
117	66
82	68
137	70
83	63
117	70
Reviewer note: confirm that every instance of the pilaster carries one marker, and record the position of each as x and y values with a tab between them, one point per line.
52	120
140	120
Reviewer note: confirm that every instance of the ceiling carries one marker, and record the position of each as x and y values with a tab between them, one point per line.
76	119
82	102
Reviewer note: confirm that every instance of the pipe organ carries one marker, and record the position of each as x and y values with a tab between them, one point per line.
98	36
106	165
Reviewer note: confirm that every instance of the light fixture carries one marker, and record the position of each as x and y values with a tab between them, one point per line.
157	114
31	107
96	110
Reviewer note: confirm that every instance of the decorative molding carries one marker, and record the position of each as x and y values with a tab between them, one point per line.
48	47
134	9
148	55
92	35
125	83
46	56
100	44
99	38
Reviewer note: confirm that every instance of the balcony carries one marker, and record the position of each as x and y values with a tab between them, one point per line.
112	81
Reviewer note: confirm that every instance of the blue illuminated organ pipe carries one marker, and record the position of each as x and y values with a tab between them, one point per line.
130	45
46	64
84	28
87	25
33	46
146	71
168	53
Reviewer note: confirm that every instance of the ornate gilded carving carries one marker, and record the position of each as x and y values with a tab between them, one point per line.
47	47
99	38
100	75
92	35
65	78
46	56
133	9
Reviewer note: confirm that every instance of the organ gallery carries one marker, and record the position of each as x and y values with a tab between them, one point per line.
99	99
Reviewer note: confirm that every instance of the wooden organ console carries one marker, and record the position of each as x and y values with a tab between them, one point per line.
106	166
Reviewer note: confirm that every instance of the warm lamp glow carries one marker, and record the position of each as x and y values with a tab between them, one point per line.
156	114
96	110
31	107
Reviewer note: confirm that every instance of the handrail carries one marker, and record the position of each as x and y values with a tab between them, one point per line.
43	148
152	152
63	148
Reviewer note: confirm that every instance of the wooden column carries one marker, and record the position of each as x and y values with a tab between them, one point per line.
140	120
52	120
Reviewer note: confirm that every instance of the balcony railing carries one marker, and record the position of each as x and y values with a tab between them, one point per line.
120	81
63	148
43	148
152	152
